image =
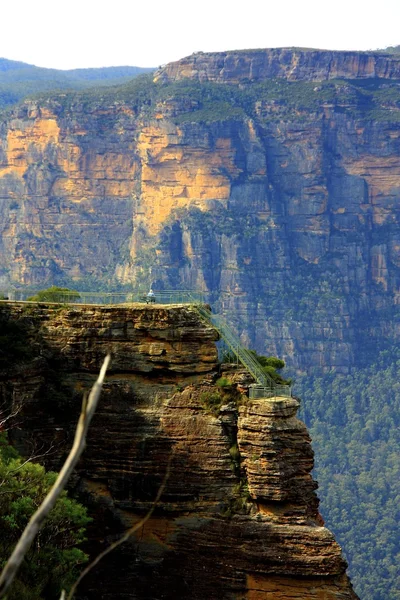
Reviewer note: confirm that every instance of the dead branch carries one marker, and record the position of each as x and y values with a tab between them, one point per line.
5	418
36	521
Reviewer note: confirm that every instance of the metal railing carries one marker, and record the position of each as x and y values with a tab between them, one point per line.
266	385
72	297
258	391
235	345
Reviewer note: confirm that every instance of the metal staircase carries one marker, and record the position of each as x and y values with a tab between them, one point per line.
234	344
265	386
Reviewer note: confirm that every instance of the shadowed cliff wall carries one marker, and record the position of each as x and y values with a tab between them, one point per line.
239	515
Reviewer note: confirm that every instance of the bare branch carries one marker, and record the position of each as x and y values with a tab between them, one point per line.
5	418
123	539
21	466
36	521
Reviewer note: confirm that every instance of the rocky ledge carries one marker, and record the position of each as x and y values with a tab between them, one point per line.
238	517
293	64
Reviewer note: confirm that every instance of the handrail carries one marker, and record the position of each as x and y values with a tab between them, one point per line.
76	297
233	342
258	391
195	298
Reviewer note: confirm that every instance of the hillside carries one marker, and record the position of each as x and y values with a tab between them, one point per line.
18	79
354	422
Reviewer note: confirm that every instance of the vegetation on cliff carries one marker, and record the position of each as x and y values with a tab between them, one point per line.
305	254
194	102
54	294
54	559
354	422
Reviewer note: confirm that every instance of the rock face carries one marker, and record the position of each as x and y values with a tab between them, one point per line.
259	177
293	64
238	516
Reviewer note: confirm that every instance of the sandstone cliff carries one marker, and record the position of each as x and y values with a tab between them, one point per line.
238	517
293	64
260	177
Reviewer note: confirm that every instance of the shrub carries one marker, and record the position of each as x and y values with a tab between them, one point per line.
212	402
55	294
53	557
271	365
223	382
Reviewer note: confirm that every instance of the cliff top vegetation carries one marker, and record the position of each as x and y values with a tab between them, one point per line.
268	101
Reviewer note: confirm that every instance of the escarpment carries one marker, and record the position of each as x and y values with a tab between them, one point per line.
293	64
268	179
238	516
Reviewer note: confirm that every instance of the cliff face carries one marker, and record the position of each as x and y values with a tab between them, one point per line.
238	517
64	203
293	64
278	196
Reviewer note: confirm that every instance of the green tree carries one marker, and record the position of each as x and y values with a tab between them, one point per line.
53	560
55	294
271	365
354	422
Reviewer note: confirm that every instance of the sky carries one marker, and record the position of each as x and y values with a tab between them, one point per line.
147	33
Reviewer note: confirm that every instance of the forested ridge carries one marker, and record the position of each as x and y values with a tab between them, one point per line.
354	421
18	79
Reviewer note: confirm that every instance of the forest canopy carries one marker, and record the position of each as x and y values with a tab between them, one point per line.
354	421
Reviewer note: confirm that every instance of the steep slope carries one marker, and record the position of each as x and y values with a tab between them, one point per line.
18	79
238	517
279	198
354	422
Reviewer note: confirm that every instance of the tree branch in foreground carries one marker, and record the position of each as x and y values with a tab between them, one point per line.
37	519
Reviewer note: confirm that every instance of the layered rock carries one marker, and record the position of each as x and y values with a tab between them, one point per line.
281	202
238	516
293	64
62	193
275	446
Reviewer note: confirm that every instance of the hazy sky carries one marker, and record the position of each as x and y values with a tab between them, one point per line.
90	33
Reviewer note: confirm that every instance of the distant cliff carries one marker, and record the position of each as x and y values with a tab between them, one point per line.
268	178
292	64
238	517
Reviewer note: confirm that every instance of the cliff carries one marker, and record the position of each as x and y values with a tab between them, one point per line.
259	177
293	64
238	517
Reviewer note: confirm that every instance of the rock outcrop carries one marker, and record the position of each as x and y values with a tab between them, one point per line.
238	517
258	177
293	64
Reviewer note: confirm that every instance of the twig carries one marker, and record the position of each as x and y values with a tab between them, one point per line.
36	521
28	460
4	419
123	539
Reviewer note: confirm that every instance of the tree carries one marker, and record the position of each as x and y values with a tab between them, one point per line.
52	493
55	294
271	365
53	559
